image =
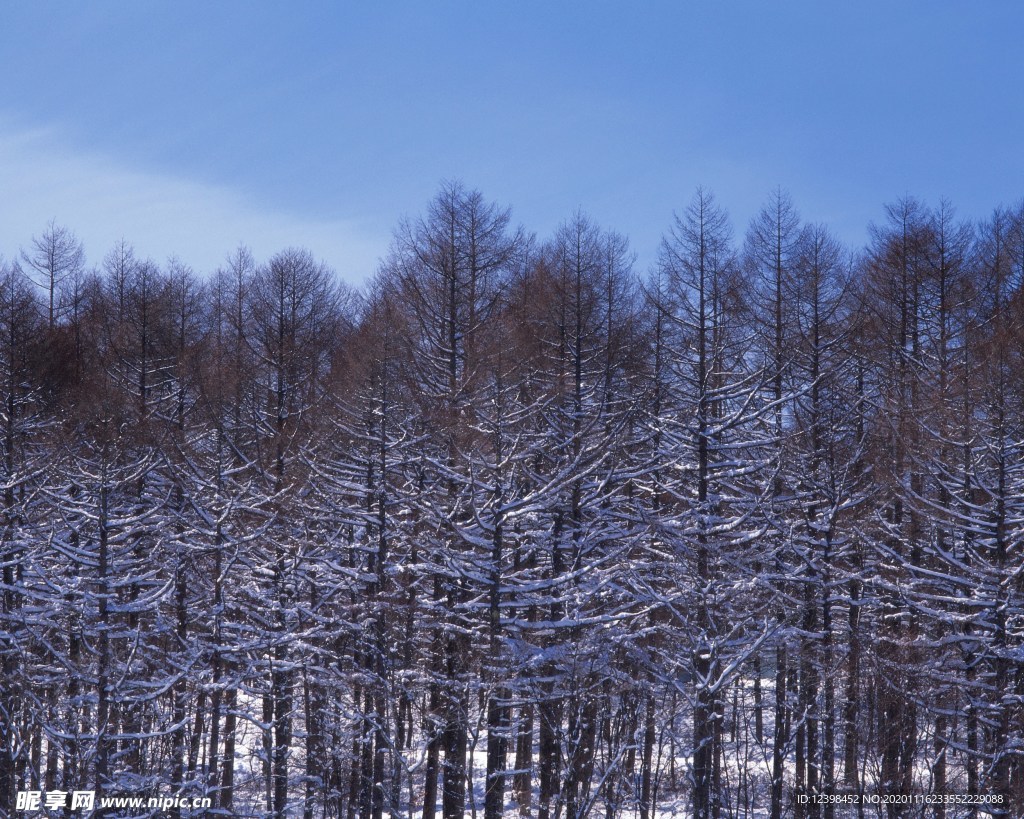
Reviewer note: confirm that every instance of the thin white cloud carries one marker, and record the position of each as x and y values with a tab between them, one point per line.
102	200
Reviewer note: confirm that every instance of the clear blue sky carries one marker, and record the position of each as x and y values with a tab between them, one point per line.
190	127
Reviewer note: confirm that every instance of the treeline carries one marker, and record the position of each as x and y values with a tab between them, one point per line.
514	529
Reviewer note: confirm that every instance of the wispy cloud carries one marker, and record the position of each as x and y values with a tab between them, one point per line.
102	200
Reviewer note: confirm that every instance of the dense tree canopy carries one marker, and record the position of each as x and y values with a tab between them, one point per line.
518	528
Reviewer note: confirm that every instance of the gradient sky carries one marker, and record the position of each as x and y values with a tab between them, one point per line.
188	127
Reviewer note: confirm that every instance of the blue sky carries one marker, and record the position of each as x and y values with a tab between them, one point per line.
188	128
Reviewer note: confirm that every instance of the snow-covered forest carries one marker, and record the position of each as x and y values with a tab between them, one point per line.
517	529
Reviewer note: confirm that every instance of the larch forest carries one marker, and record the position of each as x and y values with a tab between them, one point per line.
517	530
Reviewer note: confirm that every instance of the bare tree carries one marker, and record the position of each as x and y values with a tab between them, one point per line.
55	256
